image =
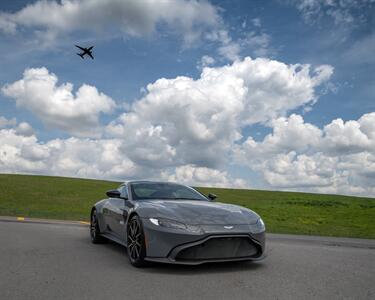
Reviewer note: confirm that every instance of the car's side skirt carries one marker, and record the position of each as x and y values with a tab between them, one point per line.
113	238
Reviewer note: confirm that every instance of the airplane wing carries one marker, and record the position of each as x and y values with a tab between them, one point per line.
90	48
90	54
83	49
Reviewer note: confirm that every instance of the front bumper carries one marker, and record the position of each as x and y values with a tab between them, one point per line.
213	244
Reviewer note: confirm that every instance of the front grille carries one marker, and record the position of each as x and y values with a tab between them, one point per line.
220	248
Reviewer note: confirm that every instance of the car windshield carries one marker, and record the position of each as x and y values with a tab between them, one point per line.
172	191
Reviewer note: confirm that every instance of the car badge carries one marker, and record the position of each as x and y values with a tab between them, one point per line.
228	227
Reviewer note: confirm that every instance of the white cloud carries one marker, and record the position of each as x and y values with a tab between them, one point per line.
65	157
131	17
192	20
296	156
230	51
299	171
201	176
341	12
255	43
257	22
4	122
205	61
228	48
349	137
340	158
88	158
182	127
56	105
183	121
24	129
6	25
258	44
189	130
19	153
289	134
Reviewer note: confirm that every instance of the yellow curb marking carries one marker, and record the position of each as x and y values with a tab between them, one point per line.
84	222
20	219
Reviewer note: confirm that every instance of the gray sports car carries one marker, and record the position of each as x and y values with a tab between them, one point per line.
174	223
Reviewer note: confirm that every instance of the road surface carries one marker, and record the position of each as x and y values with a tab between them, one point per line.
57	261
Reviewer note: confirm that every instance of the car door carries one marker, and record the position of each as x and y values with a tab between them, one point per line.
109	209
119	213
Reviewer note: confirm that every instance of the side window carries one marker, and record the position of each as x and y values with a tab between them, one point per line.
124	191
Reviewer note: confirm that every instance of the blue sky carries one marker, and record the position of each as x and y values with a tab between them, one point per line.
138	43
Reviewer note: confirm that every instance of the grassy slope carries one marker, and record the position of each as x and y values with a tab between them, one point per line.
283	212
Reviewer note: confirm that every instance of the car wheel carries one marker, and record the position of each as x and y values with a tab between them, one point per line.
136	247
96	238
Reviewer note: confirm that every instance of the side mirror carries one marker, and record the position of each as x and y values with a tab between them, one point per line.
113	194
211	196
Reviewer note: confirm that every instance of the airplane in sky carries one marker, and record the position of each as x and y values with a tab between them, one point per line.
87	51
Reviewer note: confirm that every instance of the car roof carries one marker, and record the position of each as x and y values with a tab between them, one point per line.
149	181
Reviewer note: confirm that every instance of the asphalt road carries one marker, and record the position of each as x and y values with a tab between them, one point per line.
58	261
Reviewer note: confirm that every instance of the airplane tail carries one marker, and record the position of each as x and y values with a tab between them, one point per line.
80	54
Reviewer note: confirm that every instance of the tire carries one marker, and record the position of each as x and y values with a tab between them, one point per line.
96	238
136	246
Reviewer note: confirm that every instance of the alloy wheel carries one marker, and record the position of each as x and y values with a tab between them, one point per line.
134	239
93	226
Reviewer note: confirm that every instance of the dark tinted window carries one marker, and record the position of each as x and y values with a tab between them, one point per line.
153	190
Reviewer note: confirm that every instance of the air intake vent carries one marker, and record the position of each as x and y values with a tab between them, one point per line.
220	248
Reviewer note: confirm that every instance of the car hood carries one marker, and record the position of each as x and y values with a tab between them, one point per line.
197	212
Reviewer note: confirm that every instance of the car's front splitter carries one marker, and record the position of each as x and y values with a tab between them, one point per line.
199	262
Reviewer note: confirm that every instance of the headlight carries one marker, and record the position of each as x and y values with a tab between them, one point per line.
258	227
174	224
